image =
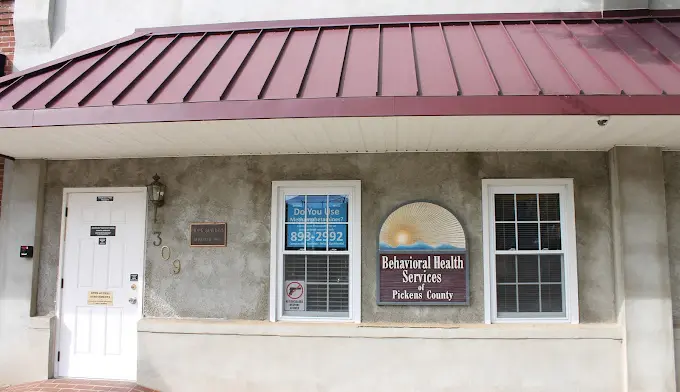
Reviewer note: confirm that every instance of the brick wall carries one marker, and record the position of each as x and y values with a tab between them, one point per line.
7	48
7	32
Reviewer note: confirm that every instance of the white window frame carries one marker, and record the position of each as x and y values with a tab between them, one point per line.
279	190
565	187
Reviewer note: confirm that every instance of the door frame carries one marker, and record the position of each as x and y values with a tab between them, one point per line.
60	269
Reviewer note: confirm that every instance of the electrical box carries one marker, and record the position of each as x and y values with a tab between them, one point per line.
26	251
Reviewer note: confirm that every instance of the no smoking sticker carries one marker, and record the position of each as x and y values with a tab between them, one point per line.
294	299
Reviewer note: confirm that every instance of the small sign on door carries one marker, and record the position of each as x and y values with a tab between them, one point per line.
294	299
100	298
102	231
104	198
102	241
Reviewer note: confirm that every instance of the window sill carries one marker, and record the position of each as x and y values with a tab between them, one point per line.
319	320
533	321
381	331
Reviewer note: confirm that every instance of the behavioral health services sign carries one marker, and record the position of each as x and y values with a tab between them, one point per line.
422	257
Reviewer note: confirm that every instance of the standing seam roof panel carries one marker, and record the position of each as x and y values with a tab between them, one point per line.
361	68
615	63
434	63
131	72
17	93
97	75
660	38
506	63
325	68
152	78
544	66
58	84
580	65
397	65
287	77
673	27
182	81
653	64
249	84
401	68
218	78
469	61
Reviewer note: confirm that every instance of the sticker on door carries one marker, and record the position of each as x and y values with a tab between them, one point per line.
102	231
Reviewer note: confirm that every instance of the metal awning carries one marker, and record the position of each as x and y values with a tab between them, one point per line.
333	69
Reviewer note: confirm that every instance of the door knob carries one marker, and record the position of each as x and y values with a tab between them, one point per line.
133	301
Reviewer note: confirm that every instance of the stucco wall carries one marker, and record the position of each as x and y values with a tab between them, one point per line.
24	340
47	30
672	174
233	283
191	355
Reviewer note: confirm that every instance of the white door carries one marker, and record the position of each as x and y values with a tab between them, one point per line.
102	284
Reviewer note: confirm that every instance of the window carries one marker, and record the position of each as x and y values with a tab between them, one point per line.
316	229
529	251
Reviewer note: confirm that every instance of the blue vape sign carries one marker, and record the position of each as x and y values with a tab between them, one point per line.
316	222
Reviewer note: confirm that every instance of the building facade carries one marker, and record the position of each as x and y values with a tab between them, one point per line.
447	201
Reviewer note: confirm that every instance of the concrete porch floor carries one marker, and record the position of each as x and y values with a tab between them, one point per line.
66	385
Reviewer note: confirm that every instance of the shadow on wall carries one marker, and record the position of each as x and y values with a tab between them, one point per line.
611	5
58	23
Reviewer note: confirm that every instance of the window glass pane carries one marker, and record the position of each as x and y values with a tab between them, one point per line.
505	236
551	236
527	236
317	236
295	236
294	267
528	298
316	281
506	298
527	268
551	297
317	298
317	208
338	298
549	206
527	208
337	236
337	208
505	207
317	268
551	268
528	283
295	208
505	269
338	267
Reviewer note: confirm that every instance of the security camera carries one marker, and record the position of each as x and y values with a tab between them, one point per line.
603	121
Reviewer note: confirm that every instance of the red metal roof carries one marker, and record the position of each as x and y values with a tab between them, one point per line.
425	68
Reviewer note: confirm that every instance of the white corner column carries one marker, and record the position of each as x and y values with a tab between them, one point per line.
25	341
642	268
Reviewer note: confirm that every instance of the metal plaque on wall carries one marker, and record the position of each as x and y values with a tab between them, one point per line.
422	257
208	234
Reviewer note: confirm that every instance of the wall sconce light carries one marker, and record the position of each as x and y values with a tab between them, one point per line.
156	191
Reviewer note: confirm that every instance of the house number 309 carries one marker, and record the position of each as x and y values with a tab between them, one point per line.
159	240
166	253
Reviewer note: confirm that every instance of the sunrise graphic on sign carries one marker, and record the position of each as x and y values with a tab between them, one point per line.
422	226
